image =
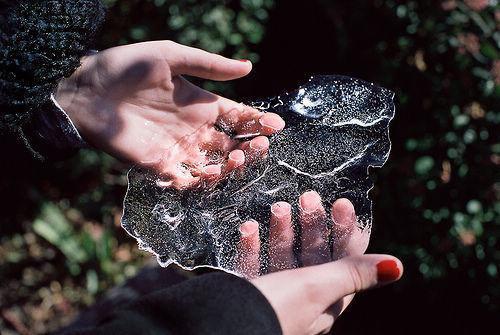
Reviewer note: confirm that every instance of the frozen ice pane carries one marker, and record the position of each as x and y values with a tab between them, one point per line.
336	128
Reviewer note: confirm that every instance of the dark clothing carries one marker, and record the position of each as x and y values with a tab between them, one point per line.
216	303
41	42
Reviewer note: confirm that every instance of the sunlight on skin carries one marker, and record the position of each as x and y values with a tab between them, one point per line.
143	111
281	235
323	291
133	102
349	240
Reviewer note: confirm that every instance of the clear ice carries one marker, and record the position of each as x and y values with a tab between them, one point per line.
336	128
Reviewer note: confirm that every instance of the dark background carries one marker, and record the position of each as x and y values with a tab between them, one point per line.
436	201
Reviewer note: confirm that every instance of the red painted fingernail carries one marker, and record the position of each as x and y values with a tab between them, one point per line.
243	60
387	270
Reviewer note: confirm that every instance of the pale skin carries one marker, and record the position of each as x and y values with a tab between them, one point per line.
309	300
134	103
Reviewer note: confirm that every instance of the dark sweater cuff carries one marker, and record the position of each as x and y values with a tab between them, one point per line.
41	42
51	134
216	303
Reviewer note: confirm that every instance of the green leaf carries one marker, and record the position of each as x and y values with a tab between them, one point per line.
489	50
53	226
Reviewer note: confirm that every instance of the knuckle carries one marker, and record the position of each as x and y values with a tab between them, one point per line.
357	278
210	66
169	44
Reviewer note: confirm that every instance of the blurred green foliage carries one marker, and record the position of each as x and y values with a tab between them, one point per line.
437	201
453	192
229	27
232	28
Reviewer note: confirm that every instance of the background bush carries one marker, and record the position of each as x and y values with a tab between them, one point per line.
436	201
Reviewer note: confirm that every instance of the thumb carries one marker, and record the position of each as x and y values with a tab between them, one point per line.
184	60
333	281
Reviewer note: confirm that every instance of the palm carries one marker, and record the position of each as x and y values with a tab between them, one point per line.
161	120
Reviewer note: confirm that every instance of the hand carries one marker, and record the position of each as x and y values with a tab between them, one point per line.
309	300
132	102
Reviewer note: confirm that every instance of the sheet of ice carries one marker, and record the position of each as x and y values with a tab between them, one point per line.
337	127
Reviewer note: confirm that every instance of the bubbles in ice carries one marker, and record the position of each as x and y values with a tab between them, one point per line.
336	128
167	213
307	107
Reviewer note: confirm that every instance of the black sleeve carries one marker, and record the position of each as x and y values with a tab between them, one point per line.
41	42
216	303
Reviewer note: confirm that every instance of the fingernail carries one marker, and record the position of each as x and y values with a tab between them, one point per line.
241	107
310	202
249	228
244	60
273	123
213	169
343	213
387	270
162	183
238	156
259	144
281	209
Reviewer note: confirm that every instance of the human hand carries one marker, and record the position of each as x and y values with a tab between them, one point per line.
132	102
309	300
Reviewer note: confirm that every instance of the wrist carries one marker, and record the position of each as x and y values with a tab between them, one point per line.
75	97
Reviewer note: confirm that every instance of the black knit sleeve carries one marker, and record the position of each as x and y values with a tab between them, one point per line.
213	304
41	42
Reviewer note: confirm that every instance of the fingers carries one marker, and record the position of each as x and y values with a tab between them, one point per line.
281	238
207	162
242	122
184	60
333	281
312	217
317	288
255	149
245	122
178	178
348	238
208	153
235	159
344	224
247	260
244	153
270	124
347	241
218	148
211	173
358	242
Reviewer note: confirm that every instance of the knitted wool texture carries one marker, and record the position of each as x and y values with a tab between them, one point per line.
41	42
